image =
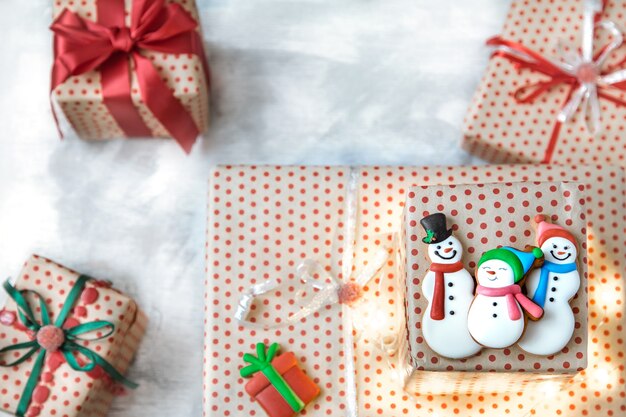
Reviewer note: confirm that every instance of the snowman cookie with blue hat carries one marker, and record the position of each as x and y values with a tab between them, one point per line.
552	287
497	316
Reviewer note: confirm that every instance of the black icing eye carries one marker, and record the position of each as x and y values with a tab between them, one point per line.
439	247
553	246
450	243
566	247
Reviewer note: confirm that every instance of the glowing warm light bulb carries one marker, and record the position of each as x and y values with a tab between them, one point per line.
608	300
550	388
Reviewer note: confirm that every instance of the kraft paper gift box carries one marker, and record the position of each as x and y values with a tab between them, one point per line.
263	222
130	69
514	114
484	216
60	389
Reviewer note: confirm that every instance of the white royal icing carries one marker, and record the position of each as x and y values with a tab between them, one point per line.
450	336
488	319
555	329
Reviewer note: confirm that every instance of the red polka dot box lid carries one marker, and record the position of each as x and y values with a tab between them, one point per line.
265	222
527	107
452	327
60	389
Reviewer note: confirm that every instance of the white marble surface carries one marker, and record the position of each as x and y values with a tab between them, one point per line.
295	82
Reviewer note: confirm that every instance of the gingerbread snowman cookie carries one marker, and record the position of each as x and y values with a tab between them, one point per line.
449	289
497	316
552	287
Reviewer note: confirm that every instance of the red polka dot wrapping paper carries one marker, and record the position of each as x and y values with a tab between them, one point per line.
80	97
70	393
484	216
499	129
263	221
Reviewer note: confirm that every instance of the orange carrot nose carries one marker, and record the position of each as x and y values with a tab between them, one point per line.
491	272
447	250
561	253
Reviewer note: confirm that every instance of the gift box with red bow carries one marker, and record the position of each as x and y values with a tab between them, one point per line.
130	69
555	86
479	218
66	341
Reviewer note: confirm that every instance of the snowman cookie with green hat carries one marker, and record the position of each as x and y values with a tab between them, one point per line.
497	316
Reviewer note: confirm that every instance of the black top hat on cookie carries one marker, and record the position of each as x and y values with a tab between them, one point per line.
435	227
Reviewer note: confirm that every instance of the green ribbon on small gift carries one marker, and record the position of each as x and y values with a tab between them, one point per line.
69	346
263	363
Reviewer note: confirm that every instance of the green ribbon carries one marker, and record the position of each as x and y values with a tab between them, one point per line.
263	363
69	346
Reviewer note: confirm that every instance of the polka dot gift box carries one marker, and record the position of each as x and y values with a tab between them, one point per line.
263	222
130	69
65	342
554	89
474	219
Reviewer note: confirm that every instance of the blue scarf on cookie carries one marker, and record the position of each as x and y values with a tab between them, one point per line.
542	289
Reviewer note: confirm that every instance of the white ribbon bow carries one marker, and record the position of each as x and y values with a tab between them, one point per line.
332	291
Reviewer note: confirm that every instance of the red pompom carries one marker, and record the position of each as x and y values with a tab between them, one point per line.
50	338
349	293
540	218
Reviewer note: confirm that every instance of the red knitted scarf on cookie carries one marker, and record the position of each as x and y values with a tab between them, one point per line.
439	294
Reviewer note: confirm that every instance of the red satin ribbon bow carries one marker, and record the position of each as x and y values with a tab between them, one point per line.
528	93
523	57
107	45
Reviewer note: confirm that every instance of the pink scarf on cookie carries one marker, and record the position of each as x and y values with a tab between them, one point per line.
513	294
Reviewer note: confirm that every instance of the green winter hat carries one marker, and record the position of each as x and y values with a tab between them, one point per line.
520	261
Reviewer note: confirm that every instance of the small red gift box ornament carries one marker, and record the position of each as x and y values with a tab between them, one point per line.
278	384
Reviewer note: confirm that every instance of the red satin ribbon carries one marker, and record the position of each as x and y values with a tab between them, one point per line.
528	93
107	45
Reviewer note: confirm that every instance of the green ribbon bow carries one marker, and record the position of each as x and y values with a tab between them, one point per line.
68	348
263	363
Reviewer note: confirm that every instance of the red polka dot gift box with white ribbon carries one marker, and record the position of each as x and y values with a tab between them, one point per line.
130	69
554	88
478	218
263	222
101	327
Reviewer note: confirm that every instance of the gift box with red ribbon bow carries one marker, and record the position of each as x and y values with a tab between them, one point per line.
66	341
555	86
130	69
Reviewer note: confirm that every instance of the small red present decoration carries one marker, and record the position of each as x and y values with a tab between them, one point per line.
278	384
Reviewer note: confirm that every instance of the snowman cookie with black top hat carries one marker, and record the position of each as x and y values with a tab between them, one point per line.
497	317
552	287
449	289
